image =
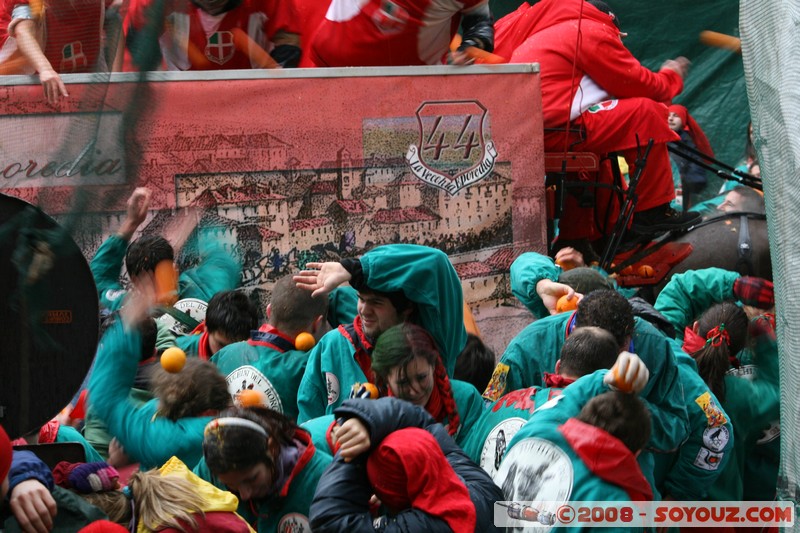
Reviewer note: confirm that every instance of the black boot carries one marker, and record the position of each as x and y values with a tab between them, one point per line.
663	218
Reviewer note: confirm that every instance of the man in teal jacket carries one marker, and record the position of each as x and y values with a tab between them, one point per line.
268	361
569	451
218	270
586	350
396	283
230	317
534	351
147	437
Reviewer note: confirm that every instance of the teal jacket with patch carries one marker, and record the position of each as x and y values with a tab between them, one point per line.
148	438
217	271
756	447
536	349
265	365
287	510
500	421
427	278
555	458
688	474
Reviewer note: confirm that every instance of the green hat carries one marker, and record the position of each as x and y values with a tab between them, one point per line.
585	280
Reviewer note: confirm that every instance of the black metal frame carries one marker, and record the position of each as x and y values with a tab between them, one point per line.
719	168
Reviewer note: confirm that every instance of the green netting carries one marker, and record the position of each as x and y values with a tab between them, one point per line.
770	44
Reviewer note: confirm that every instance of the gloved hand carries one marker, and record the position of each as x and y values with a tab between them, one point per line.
629	373
364	390
754	291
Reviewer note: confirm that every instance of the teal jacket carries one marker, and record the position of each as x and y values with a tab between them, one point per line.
320	430
751	405
287	510
261	365
342	305
689	473
487	442
527	271
70	434
190	344
218	270
536	349
690	293
147	438
427	278
572	461
470	408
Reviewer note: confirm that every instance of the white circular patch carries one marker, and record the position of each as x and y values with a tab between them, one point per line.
494	447
536	470
249	377
193	307
332	386
715	439
294	523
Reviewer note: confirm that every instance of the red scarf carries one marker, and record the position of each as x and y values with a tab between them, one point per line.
435	405
556	380
363	347
203	348
607	458
693	128
692	342
408	470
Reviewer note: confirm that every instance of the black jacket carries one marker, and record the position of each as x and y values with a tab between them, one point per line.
342	495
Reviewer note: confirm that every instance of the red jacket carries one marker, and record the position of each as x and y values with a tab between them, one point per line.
603	68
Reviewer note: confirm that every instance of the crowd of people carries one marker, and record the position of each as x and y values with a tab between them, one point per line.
343	411
362	402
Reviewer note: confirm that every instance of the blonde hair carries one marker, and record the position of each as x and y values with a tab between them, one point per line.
112	502
164	501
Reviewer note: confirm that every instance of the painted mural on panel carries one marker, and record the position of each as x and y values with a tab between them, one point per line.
357	162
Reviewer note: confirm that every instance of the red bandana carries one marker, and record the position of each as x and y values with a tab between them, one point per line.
408	470
556	380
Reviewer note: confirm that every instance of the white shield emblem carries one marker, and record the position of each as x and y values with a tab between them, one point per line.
452	152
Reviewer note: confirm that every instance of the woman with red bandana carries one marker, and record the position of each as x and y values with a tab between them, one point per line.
407	364
692	175
423	480
714	341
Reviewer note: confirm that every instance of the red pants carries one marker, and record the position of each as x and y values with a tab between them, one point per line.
613	126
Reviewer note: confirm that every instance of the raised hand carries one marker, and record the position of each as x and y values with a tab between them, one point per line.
321	278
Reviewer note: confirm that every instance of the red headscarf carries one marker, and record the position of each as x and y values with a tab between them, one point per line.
5	454
432	486
695	131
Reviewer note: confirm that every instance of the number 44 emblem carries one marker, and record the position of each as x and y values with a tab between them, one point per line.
452	152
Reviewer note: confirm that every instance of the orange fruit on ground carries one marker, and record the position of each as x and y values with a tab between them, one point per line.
304	341
619	381
173	359
251	398
646	271
566	304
